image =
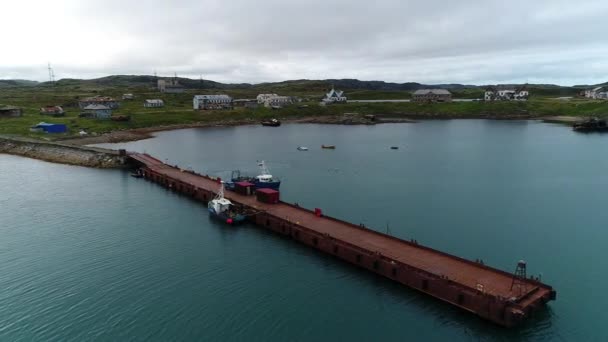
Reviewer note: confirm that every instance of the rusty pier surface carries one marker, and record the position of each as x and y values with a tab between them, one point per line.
501	297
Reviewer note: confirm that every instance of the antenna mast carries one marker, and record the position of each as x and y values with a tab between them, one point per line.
51	74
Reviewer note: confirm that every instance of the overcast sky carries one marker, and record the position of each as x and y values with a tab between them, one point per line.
427	41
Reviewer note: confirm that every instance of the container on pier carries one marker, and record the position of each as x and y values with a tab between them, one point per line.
244	188
267	195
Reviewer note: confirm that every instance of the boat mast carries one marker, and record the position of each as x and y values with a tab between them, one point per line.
220	192
263	168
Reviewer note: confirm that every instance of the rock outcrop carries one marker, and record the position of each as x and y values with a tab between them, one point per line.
62	153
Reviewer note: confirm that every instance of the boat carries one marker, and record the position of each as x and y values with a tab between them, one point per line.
394	147
137	174
221	208
302	148
329	147
261	181
591	125
120	117
271	123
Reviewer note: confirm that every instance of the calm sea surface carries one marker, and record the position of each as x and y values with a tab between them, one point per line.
91	254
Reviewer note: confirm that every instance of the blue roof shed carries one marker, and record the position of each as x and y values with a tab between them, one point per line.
51	127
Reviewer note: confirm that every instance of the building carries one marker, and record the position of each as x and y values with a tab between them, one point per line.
128	96
170	86
334	96
278	101
263	97
432	95
154	103
10	111
99	100
274	100
97	111
596	93
49	128
506	93
212	102
52	111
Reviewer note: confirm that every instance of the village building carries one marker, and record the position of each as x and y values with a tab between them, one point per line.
96	111
334	96
52	111
128	96
98	100
432	95
506	93
49	128
596	93
212	102
278	101
263	97
170	86
10	111
154	103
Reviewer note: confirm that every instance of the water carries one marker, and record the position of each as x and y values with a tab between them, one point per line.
95	254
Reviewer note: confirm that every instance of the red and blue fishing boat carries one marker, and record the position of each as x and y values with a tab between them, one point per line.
262	181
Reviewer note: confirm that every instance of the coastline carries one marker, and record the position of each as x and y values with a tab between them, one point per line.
148	132
74	150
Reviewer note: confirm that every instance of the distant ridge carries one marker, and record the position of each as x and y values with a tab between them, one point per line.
302	84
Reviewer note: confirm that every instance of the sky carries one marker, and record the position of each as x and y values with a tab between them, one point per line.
426	41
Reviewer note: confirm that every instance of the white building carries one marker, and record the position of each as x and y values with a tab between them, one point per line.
263	97
502	93
596	93
334	96
154	103
212	102
278	101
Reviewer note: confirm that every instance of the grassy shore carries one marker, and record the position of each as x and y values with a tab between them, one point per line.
178	108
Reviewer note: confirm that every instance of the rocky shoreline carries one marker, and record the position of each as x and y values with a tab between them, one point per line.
148	132
62	153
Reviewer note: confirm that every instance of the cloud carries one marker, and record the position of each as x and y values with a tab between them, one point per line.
432	41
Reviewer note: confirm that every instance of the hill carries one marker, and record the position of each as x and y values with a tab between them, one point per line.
17	83
357	89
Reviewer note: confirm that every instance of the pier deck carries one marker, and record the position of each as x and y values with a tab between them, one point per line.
483	290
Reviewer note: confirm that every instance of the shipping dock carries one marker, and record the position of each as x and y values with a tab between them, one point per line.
505	298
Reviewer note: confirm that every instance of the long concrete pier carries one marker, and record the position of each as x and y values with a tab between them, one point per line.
501	297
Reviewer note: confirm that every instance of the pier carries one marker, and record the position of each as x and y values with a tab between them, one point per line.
504	298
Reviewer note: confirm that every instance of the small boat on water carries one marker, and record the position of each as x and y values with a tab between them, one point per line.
329	147
137	174
591	125
261	181
394	147
302	148
271	123
221	208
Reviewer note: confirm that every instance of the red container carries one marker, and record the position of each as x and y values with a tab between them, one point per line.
244	188
267	195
